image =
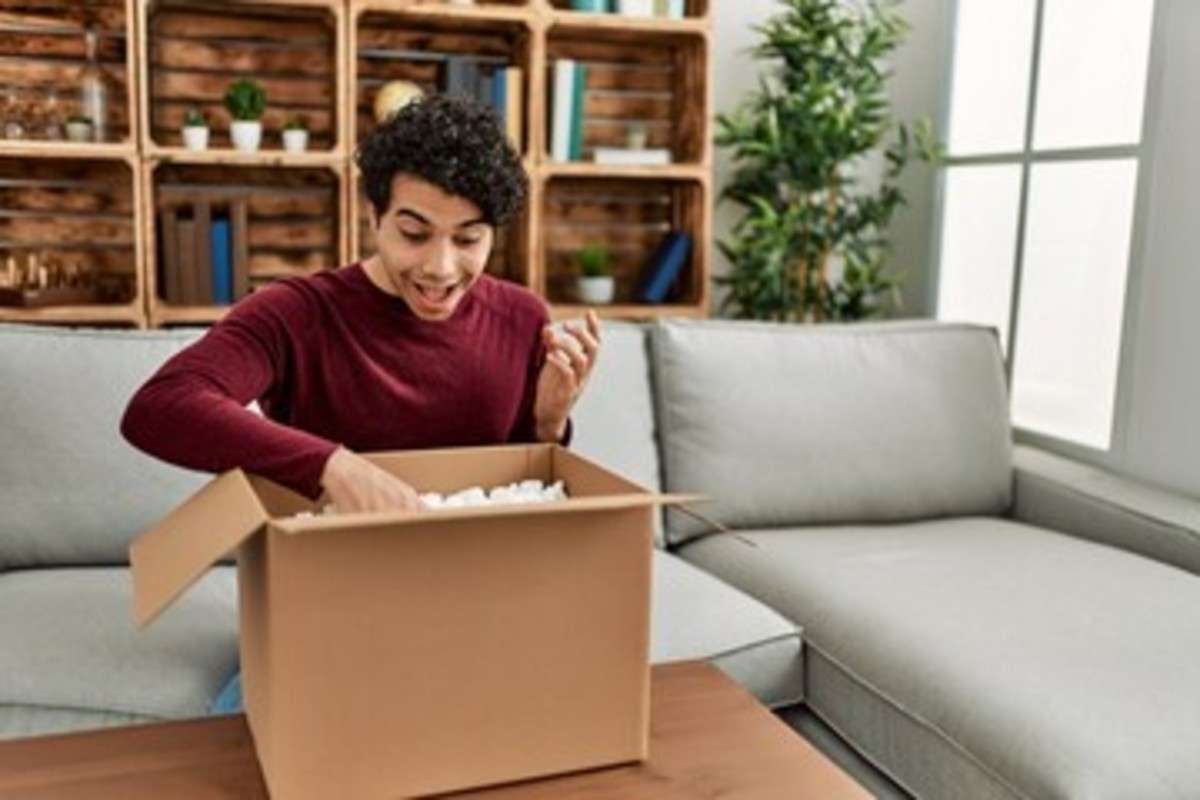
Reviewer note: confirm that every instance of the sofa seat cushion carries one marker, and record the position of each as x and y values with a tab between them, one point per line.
697	616
784	425
70	644
981	657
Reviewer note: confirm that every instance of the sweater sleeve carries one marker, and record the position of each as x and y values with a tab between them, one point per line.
192	412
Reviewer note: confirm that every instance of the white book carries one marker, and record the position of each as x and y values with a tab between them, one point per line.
675	9
564	97
636	8
628	156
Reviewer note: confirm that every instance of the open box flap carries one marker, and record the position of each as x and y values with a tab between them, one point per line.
571	505
172	555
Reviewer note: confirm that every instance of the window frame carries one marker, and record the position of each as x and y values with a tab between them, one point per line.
1143	153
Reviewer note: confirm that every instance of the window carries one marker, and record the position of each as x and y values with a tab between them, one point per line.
1037	201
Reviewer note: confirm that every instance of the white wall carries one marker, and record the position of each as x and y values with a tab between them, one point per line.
916	91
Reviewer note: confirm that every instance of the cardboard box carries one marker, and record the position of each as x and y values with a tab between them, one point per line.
391	655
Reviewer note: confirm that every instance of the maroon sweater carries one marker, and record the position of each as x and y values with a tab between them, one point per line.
333	360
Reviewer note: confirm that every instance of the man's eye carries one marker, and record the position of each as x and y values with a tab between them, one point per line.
415	238
467	241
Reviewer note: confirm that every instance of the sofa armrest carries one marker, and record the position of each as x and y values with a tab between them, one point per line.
1068	496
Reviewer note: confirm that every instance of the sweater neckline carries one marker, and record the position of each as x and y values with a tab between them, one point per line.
398	305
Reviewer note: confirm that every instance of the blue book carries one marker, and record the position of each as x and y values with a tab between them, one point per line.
664	267
499	94
221	260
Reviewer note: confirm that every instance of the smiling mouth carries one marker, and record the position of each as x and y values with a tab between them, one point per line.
436	294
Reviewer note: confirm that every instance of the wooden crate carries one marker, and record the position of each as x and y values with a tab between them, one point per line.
192	51
657	78
42	52
285	221
80	214
630	217
411	44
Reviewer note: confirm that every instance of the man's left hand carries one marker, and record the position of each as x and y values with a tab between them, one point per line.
570	358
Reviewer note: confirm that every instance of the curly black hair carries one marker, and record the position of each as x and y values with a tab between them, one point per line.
455	143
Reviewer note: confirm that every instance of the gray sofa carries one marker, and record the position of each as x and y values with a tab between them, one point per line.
978	620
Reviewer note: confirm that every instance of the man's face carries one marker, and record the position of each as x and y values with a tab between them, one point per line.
432	247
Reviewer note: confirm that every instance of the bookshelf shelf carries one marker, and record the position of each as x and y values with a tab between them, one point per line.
635	312
584	169
261	158
35	149
327	59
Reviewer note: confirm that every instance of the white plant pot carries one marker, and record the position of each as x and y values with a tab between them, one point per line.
195	137
295	140
246	135
596	291
79	131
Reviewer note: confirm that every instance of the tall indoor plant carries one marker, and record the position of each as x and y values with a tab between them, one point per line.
820	109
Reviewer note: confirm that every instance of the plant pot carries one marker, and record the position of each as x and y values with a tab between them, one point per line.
79	131
295	140
246	135
596	291
195	137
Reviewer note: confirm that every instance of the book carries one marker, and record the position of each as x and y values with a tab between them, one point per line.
461	77
170	286
561	99
185	236
578	96
221	261
514	111
240	247
626	155
498	85
202	255
592	6
664	267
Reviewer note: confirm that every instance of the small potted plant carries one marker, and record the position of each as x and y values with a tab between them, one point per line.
79	128
246	101
295	134
595	284
195	130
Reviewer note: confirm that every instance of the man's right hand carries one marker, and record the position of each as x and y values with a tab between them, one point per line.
355	484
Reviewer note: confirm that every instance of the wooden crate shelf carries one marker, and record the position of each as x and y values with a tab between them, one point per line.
630	218
283	222
79	215
412	44
326	59
192	51
653	77
42	54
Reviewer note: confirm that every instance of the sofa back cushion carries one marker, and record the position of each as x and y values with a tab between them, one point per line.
784	425
72	489
613	421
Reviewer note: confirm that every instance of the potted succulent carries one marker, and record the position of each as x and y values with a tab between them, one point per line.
79	128
295	134
195	130
595	284
246	101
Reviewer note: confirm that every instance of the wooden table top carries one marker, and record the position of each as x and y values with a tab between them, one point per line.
708	738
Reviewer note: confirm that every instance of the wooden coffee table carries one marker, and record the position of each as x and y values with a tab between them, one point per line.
709	738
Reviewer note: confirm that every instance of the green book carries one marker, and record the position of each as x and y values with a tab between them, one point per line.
577	101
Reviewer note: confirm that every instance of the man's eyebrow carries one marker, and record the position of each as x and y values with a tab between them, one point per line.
409	212
422	219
